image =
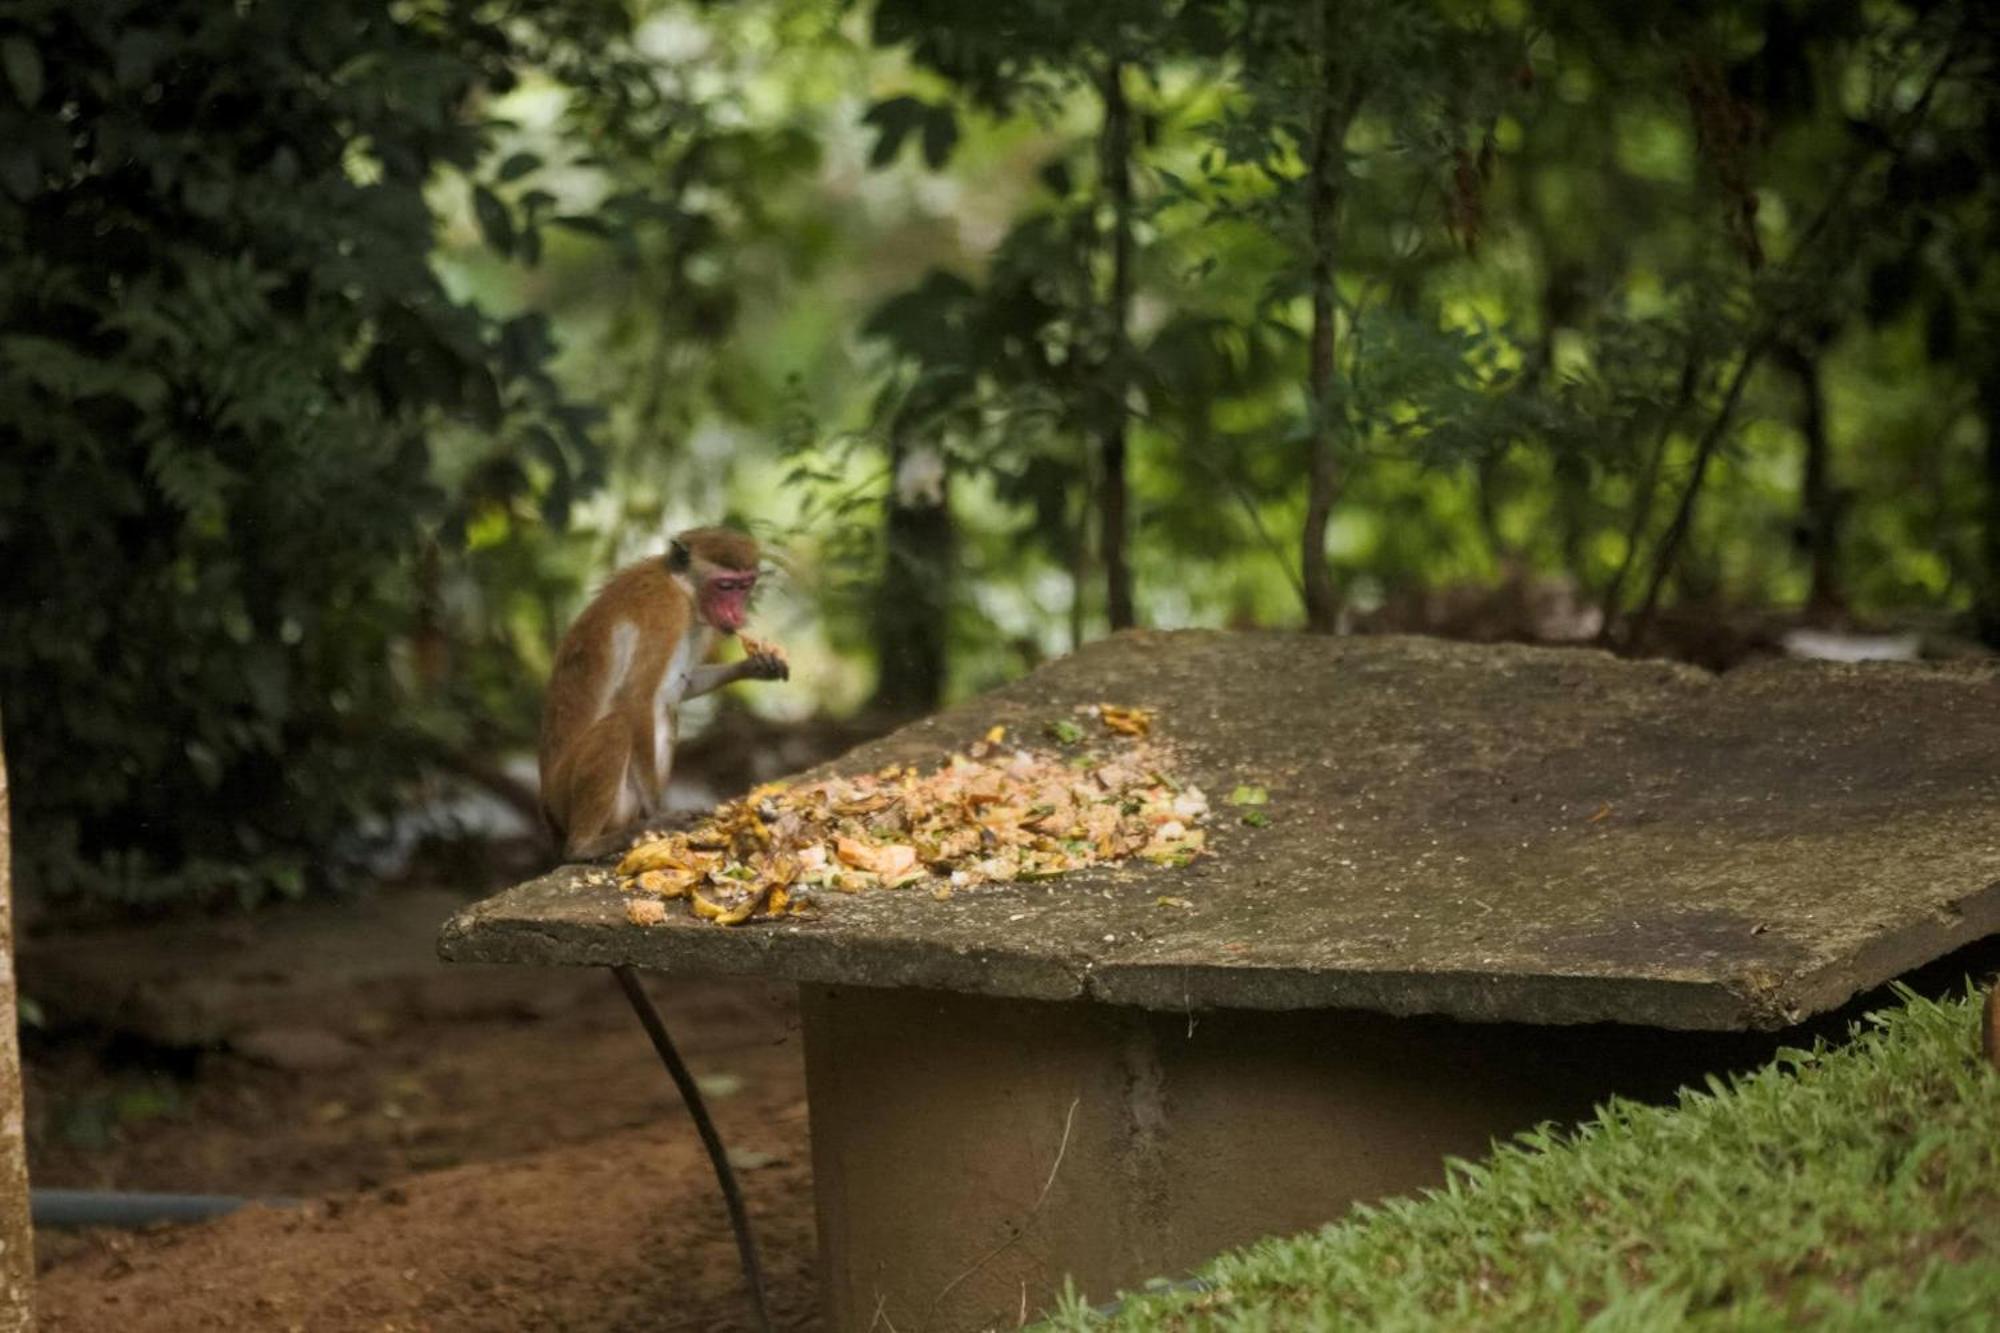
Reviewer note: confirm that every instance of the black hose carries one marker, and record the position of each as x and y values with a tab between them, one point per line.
120	1208
732	1197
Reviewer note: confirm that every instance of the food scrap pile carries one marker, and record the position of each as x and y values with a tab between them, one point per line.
993	814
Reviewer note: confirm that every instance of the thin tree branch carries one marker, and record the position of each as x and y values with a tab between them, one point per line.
1115	172
1835	205
1677	530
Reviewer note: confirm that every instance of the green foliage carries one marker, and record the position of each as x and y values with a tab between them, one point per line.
299	304
1851	1186
225	358
1573	262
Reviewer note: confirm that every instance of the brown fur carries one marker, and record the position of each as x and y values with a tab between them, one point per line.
586	758
725	547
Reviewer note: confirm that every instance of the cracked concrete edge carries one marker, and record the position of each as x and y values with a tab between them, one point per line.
1165	987
1959	923
1756	1001
890	964
1753	1001
1478	997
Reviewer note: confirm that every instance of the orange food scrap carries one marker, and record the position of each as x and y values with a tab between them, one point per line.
761	647
994	813
645	911
1126	721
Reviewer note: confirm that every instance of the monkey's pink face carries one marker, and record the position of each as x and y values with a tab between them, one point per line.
725	599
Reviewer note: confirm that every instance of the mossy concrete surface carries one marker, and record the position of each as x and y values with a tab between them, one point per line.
1485	832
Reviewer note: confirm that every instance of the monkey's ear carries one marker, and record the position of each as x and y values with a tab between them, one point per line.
678	559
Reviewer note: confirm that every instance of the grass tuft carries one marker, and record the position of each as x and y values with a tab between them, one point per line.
1851	1187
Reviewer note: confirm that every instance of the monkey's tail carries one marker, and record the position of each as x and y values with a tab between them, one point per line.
725	1176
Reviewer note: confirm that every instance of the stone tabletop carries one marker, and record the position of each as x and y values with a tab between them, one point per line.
1487	832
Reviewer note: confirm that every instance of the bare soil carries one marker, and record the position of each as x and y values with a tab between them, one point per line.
491	1149
501	1153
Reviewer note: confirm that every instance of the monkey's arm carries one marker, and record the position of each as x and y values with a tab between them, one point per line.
765	665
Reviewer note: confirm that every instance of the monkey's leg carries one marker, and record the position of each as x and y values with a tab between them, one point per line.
611	847
596	800
606	847
718	1156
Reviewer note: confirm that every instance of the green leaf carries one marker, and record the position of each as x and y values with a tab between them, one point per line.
940	135
1246	795
1065	731
139	53
495	223
1256	818
207	765
894	121
20	173
482	398
206	198
23	64
584	223
519	165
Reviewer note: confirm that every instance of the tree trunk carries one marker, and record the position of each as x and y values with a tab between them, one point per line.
17	1259
1989	600
1820	521
1330	120
912	610
1486	505
430	641
1115	179
1572	470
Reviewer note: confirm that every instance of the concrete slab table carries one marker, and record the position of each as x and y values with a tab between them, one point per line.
1497	884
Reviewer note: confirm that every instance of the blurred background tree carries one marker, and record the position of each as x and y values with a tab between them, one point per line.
346	345
241	413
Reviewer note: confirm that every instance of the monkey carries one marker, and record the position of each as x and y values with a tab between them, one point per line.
622	670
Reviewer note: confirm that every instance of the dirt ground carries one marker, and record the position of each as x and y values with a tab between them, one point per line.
462	1148
489	1153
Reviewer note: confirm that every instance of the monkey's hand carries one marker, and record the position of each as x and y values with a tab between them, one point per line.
766	661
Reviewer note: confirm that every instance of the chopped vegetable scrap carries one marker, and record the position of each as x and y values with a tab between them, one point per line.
1251	797
1126	721
993	814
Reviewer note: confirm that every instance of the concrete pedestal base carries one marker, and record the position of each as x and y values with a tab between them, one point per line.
969	1152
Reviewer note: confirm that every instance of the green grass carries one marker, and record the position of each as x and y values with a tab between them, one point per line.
1856	1187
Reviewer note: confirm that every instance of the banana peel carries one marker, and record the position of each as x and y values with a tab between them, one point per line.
731	916
1125	721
